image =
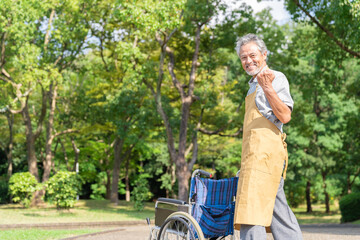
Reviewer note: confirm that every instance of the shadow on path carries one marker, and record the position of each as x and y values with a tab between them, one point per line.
310	232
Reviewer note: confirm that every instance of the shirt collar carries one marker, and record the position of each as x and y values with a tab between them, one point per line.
253	80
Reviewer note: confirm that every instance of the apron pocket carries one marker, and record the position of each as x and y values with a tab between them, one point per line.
215	219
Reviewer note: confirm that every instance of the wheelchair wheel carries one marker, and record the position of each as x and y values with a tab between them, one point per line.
180	226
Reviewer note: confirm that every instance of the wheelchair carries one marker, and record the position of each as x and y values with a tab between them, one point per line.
209	214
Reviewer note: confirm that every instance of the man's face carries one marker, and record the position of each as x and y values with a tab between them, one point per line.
252	59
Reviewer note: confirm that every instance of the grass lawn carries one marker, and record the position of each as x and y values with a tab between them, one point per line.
84	211
318	215
39	234
103	210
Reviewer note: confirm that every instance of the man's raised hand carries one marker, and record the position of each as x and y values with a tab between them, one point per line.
265	78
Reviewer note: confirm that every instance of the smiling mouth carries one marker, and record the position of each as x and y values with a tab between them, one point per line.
251	66
252	69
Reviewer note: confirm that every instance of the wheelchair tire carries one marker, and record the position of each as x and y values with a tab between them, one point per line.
180	225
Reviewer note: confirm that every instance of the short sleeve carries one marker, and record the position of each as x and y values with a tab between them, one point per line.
281	87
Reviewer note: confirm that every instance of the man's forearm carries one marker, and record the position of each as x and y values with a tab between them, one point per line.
280	109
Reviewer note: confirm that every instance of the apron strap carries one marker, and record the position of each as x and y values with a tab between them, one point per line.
283	137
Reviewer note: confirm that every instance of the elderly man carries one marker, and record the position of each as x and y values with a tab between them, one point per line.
261	200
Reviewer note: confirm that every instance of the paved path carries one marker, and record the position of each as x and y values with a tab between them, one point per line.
310	232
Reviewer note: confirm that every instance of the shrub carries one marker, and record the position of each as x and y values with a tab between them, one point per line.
99	188
350	207
22	187
62	189
141	192
98	191
121	188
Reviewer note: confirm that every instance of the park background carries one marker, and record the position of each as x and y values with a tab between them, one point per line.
122	100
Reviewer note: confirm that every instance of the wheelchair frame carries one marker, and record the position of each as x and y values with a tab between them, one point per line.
183	215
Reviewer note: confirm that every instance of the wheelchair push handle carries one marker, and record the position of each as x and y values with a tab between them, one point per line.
202	172
205	173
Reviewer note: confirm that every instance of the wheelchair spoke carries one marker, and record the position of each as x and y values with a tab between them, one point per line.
177	228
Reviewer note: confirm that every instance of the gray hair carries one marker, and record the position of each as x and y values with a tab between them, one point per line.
250	38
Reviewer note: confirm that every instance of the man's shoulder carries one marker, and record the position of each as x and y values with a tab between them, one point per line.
280	78
278	74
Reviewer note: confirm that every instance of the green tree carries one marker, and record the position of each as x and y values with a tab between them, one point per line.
319	125
338	20
36	56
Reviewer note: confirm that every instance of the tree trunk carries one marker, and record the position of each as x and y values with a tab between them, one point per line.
173	181
49	134
9	151
182	172
30	144
183	176
167	191
127	183
53	166
31	136
308	197
118	146
348	183
108	169
327	199
10	163
108	184
171	171
76	151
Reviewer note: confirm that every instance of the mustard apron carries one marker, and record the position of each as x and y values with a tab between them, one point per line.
262	161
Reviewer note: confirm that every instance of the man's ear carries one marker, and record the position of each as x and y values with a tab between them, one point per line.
265	55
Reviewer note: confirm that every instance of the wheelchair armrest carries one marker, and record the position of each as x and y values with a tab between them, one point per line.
170	201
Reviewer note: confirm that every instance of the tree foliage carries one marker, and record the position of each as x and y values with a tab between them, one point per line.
122	88
338	20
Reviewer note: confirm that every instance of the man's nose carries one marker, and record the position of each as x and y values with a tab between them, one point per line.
248	60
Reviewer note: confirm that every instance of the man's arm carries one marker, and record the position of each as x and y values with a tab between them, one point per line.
280	109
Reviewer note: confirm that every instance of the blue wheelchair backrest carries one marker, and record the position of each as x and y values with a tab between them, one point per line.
213	205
